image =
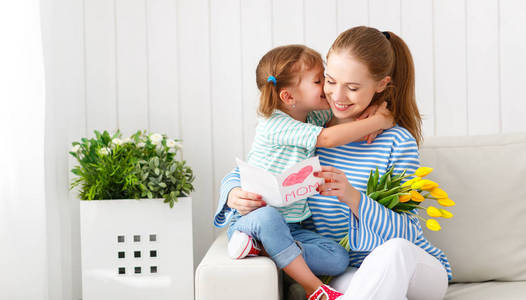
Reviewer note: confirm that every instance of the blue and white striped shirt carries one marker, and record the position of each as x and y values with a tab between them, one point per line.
376	223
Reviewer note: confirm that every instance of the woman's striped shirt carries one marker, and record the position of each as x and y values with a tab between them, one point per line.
376	224
281	142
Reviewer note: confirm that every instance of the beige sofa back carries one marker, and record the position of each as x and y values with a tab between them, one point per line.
486	177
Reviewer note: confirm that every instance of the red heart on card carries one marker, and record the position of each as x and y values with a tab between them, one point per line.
299	177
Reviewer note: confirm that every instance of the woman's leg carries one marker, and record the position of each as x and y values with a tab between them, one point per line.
268	226
398	269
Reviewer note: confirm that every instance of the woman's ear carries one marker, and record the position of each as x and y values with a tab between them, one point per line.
286	97
382	84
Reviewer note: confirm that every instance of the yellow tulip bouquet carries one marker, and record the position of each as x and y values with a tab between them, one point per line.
389	191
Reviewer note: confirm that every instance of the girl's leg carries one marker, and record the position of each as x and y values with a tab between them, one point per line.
398	269
299	271
268	226
323	255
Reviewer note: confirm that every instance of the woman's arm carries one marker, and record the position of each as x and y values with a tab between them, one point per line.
370	223
224	213
233	199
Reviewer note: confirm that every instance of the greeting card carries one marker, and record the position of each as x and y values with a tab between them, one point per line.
295	183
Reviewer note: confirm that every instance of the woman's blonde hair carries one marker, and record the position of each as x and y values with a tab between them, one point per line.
386	54
284	63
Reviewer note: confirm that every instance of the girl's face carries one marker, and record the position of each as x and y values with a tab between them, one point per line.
309	92
349	87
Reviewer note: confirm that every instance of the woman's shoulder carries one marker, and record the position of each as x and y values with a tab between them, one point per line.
398	134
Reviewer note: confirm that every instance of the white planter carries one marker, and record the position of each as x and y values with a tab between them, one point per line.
114	232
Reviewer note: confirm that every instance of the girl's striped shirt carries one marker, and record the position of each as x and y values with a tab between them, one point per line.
282	142
376	224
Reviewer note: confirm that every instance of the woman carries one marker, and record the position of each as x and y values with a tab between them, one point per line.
390	258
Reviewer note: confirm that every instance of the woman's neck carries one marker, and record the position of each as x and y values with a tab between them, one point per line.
336	121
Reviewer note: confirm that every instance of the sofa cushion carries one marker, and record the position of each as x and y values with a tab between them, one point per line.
487	290
486	177
218	277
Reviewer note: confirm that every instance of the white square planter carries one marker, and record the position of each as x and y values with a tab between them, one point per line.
136	249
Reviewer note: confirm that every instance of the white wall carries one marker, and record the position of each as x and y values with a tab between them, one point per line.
187	68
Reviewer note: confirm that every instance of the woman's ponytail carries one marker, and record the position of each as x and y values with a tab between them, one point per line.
403	101
386	54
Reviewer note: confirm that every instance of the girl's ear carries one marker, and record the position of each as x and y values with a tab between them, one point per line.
286	97
382	84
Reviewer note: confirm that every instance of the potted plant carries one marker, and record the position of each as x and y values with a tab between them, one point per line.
136	218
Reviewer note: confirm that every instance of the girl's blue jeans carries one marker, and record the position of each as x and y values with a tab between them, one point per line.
284	242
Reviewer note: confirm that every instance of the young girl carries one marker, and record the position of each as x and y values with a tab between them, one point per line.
293	109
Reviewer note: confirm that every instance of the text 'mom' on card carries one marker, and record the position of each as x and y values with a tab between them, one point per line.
295	183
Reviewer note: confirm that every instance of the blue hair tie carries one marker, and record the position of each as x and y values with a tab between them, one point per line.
272	79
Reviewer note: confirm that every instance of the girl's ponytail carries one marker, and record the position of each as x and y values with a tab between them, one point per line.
268	100
280	68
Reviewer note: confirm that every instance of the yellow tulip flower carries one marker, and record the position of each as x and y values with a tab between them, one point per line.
434	212
438	193
404	198
446	202
423	171
432	224
424	184
411	181
445	214
416	196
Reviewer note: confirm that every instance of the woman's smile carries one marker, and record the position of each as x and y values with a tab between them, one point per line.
341	106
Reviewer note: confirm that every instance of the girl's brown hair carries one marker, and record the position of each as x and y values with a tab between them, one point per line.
285	63
386	54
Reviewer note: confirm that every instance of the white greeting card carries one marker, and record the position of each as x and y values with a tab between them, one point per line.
295	183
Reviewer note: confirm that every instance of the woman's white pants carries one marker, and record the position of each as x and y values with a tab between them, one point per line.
398	269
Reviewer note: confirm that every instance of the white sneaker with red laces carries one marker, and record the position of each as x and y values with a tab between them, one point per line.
242	245
328	291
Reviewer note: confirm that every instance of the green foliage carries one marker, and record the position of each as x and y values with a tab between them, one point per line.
387	189
137	167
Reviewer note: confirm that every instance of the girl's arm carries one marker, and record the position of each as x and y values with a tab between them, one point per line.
342	134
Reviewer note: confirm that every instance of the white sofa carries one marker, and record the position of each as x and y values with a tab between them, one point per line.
485	241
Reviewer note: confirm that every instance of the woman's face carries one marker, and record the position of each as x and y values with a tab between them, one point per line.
349	87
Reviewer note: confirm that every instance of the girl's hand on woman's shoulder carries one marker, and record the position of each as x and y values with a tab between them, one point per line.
244	202
382	112
386	115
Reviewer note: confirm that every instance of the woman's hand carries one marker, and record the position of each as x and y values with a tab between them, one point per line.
244	202
336	184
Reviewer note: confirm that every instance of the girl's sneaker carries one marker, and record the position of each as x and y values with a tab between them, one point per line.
242	245
328	291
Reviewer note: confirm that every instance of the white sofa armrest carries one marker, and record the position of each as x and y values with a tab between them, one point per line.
218	277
